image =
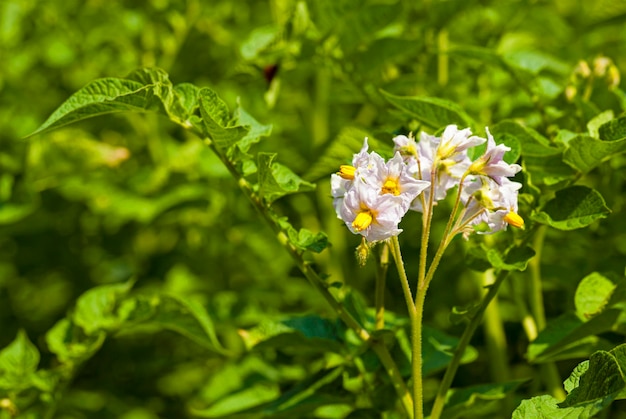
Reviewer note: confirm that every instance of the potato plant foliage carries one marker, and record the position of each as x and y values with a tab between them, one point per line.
169	246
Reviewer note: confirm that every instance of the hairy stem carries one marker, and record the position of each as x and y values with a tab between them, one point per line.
381	276
416	330
318	283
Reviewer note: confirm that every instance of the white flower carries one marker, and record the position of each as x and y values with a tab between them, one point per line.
444	157
491	203
394	178
491	163
370	214
372	195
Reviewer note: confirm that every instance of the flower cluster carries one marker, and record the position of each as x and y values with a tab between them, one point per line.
371	196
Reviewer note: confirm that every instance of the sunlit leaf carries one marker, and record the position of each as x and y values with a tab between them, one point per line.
276	180
477	401
96	309
572	208
433	112
592	295
216	120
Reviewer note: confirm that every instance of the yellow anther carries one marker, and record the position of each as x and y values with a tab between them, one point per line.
347	172
391	186
514	219
363	220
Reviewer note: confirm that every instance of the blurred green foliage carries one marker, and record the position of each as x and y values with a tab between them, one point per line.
133	199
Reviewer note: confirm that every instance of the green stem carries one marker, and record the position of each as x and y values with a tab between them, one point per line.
495	338
318	283
536	290
442	57
381	276
549	371
446	382
415	316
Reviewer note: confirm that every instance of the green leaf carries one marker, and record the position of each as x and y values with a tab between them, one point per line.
247	398
304	239
535	62
433	112
548	170
68	342
594	125
531	142
20	357
256	129
438	349
592	295
96	309
177	313
216	120
564	335
276	180
546	407
315	391
515	259
584	153
477	401
296	334
572	208
340	151
144	90
613	130
186	103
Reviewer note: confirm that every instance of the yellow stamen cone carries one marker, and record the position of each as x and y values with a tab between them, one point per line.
363	220
514	219
347	172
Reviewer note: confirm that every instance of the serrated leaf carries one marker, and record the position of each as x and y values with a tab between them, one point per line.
592	295
433	112
216	120
584	153
572	208
276	180
96	308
